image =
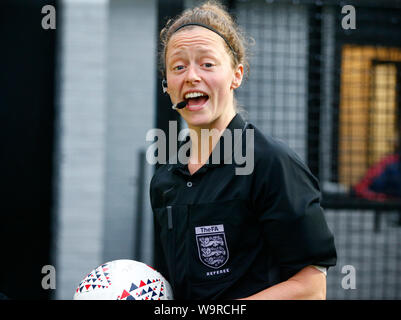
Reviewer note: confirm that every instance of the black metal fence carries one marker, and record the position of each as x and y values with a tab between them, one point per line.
330	86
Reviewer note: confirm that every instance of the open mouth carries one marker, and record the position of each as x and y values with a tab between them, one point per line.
195	100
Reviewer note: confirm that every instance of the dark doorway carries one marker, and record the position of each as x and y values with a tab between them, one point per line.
27	112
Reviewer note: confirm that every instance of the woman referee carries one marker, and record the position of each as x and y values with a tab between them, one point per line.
220	234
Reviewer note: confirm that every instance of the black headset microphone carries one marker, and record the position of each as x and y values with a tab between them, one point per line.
179	105
175	106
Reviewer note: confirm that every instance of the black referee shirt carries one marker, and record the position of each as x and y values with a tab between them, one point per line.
220	235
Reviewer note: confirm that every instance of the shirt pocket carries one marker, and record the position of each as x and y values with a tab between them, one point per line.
215	232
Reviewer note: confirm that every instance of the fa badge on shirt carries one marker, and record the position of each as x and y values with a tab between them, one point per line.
212	245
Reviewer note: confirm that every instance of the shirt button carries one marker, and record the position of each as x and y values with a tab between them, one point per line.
189	184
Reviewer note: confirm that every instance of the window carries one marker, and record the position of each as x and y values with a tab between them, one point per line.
368	109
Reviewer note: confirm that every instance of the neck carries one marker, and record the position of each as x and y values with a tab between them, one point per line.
204	138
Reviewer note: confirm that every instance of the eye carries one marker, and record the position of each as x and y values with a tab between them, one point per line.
208	64
178	68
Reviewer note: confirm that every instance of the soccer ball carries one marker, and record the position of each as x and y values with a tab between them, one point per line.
124	280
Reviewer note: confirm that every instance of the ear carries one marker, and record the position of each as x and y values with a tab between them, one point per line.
237	76
164	86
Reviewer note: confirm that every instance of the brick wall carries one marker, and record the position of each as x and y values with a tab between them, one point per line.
130	114
106	104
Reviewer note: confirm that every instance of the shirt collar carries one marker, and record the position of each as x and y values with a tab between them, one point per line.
236	123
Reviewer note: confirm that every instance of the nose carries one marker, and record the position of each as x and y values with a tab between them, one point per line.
192	75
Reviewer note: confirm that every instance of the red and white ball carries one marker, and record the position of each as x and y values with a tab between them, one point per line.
124	280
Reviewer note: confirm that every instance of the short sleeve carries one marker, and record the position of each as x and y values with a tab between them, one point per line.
287	201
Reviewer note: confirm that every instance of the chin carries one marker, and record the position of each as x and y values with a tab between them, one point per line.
198	121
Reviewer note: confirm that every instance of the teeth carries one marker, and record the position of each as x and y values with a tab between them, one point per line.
194	95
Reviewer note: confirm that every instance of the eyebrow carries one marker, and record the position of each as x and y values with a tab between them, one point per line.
209	52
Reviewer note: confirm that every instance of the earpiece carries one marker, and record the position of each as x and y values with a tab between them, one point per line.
164	85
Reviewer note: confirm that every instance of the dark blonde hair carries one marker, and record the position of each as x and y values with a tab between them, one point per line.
214	15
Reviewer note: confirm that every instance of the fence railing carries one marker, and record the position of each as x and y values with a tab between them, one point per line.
333	93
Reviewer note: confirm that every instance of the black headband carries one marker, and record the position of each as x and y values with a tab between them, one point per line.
207	27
